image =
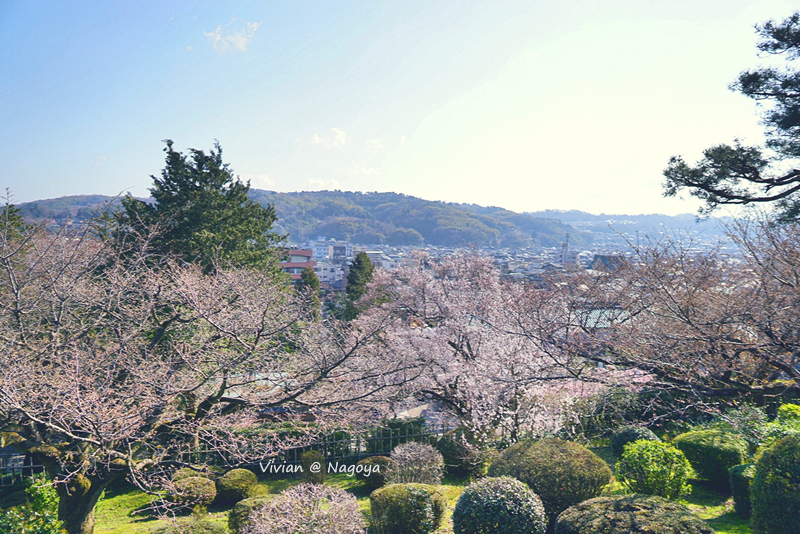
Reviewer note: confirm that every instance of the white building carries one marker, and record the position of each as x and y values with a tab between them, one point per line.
330	249
328	273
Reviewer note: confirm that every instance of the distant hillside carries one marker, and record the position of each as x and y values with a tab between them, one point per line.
397	219
604	223
368	218
617	232
76	208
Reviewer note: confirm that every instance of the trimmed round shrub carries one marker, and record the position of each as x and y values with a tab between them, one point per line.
406	508
237	517
187	472
415	463
307	508
499	506
462	458
628	434
195	490
741	476
235	485
712	453
654	468
378	467
775	491
561	473
630	513
313	460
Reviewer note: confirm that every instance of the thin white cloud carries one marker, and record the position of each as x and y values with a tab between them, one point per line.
363	170
375	144
99	161
258	181
315	184
234	36
336	139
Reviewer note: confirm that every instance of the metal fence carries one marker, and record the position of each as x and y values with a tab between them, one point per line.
15	468
342	447
349	448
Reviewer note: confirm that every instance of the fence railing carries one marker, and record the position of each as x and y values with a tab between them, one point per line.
16	468
342	447
350	448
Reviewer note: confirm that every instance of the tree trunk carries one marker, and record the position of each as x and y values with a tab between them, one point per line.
76	503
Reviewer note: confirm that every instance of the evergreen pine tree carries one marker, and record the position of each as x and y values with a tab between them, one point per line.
309	285
202	214
360	274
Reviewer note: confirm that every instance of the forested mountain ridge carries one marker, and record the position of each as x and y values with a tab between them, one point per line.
76	208
390	218
398	219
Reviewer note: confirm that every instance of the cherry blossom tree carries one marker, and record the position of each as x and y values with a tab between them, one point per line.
116	364
504	358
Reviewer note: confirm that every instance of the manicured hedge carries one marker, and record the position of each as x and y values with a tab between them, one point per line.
628	514
654	468
712	453
313	461
741	476
235	485
237	517
187	472
379	467
561	473
195	490
407	508
628	434
499	506
462	457
775	491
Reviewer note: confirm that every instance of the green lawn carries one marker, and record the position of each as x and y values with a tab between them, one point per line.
716	509
121	512
124	511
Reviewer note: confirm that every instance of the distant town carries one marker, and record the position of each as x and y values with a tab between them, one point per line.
330	258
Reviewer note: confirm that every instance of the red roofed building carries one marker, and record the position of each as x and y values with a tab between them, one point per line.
298	260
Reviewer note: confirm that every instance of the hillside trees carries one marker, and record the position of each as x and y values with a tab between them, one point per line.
113	369
202	214
740	174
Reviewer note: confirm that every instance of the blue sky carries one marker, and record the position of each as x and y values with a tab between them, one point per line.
525	105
